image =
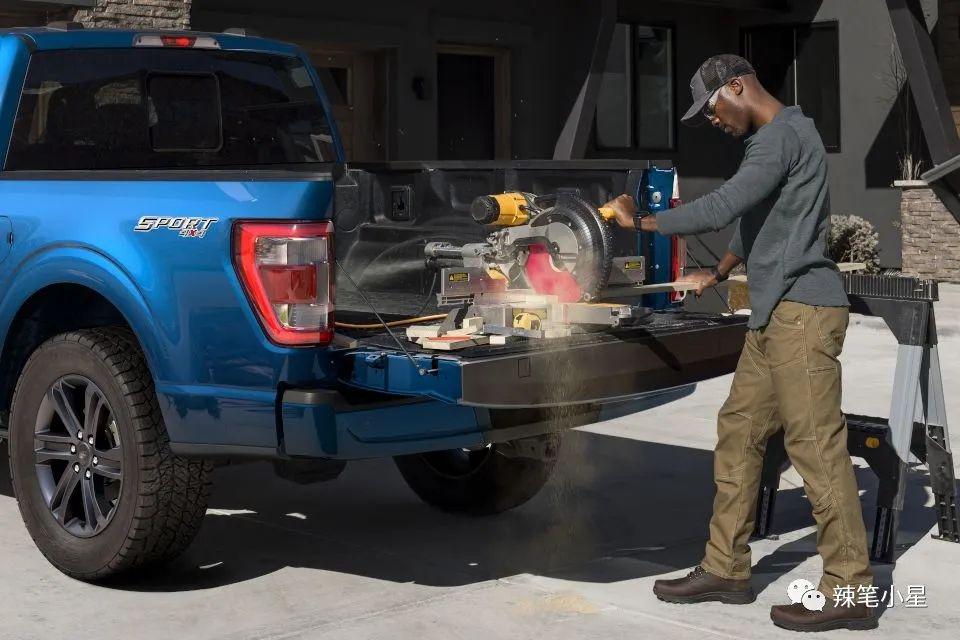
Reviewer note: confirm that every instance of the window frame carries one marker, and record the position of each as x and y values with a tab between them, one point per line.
182	74
820	24
674	120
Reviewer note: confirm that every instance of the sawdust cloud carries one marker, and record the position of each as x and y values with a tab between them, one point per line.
571	527
388	274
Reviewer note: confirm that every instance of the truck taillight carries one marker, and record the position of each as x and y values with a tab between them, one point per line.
286	271
678	257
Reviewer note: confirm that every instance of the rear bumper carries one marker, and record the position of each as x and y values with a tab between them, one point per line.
324	423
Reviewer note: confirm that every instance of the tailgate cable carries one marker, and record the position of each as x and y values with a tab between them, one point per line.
386	325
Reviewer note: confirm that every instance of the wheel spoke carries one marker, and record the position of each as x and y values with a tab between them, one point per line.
109	457
62	406
109	463
93	405
53	448
54	439
61	495
91	508
114	473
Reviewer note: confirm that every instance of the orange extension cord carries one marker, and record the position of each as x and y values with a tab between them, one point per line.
395	323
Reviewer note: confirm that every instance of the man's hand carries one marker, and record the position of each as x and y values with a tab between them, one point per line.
625	208
703	278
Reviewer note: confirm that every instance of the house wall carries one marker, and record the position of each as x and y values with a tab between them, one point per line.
550	52
862	172
156	14
948	50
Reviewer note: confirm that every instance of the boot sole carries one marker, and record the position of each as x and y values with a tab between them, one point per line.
830	625
726	597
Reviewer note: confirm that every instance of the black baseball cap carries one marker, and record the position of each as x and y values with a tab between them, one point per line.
713	74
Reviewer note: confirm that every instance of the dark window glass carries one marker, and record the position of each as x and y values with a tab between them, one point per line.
800	65
635	106
162	108
183	112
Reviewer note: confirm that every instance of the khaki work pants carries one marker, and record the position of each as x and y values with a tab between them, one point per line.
789	376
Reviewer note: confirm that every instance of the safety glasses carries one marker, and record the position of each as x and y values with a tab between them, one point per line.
710	109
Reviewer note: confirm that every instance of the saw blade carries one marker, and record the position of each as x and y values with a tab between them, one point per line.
582	244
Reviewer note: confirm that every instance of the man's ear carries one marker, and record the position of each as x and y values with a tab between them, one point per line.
736	85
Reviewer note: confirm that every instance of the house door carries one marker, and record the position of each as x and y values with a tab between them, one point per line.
473	103
356	83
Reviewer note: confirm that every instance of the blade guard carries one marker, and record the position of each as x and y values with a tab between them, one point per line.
546	279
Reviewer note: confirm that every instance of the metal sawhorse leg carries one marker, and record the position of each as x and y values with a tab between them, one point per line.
917	422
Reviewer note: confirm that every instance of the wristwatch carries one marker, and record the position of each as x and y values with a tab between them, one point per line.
638	216
719	276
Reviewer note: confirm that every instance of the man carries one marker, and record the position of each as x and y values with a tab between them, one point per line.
788	375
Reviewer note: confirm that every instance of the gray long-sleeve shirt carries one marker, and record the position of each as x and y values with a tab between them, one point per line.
780	203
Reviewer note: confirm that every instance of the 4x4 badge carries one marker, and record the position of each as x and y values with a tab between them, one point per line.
188	227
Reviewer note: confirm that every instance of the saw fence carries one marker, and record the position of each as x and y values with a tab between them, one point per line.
917	423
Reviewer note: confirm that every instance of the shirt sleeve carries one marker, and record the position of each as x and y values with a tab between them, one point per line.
736	242
768	159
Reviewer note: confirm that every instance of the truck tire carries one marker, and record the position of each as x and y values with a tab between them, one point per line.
98	487
485	480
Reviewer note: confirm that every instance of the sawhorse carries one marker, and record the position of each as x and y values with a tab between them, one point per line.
917	422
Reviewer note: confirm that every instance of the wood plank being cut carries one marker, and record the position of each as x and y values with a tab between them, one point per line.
666	287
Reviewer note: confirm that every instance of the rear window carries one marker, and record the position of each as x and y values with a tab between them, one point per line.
157	108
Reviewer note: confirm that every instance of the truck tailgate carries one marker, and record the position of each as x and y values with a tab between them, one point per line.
669	350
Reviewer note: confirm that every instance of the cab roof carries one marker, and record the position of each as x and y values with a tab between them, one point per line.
51	38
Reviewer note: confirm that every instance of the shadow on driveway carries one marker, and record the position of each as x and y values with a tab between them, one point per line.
616	509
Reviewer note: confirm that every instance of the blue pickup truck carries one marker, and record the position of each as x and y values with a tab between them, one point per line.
176	218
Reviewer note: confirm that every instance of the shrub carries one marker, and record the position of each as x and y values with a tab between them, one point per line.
853	239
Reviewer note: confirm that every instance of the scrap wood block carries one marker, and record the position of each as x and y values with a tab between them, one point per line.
423	331
452	343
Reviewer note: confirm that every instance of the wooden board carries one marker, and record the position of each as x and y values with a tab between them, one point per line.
452	343
665	287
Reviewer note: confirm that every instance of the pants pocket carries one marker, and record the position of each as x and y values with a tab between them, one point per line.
831	324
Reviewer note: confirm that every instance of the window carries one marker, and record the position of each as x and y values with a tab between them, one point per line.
636	103
157	108
183	112
800	65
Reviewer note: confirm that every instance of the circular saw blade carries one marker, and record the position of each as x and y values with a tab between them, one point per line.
582	242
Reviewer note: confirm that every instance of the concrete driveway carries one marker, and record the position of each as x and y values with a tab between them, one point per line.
361	557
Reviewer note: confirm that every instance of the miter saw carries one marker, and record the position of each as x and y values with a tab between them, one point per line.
539	271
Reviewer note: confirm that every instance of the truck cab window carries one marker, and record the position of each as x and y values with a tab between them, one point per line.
153	109
183	112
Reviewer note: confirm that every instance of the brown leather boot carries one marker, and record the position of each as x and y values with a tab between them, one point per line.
702	586
796	617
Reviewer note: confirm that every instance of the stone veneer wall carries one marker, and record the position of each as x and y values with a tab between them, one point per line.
154	14
931	235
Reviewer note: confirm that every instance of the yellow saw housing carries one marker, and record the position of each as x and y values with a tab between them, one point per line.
500	210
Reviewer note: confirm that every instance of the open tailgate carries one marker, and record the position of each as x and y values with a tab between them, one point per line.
672	349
